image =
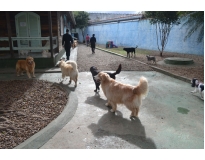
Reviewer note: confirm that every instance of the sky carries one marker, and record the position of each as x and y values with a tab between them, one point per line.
103	5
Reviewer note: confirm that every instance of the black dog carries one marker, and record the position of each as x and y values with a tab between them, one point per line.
95	71
130	50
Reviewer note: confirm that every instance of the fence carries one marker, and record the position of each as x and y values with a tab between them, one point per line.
143	34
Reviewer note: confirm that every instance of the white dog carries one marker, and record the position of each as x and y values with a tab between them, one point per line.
23	53
69	68
198	87
46	54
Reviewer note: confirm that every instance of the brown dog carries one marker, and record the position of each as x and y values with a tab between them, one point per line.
118	93
27	65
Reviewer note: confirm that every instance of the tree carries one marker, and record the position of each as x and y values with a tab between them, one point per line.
164	21
194	20
81	19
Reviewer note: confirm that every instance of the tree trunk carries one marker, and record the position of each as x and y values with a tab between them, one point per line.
83	35
162	33
160	54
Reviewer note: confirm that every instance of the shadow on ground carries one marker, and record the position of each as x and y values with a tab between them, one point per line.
114	125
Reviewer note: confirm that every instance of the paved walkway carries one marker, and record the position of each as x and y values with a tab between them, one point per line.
170	117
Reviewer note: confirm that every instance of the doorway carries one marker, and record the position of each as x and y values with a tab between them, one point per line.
28	25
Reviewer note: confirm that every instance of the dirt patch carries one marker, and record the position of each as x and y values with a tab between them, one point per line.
26	107
188	71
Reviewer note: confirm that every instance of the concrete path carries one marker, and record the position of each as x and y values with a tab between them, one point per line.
170	117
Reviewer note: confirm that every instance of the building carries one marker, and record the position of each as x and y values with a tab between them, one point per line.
36	33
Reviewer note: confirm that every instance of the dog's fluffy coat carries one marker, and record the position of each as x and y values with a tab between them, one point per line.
69	68
27	65
94	71
118	93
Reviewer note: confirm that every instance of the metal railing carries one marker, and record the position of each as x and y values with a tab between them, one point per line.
29	41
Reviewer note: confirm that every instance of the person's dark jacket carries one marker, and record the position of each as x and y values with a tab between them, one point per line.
67	38
92	42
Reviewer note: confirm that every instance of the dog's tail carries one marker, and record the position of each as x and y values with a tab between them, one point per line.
118	70
73	64
142	87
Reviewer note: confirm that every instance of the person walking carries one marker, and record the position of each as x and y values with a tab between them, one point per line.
93	42
87	39
67	43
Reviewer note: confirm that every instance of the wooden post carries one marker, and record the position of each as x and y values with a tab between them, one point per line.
50	31
58	33
9	33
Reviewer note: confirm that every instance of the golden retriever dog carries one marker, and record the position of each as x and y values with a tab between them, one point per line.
27	65
69	68
118	93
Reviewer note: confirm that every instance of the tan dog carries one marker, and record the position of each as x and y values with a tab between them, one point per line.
118	93
75	43
69	68
27	65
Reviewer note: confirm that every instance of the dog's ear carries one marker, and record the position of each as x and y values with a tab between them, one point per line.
106	76
102	76
194	82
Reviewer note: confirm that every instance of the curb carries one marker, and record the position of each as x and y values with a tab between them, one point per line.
47	70
154	68
44	135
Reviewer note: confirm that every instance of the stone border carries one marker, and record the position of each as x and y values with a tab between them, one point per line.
178	61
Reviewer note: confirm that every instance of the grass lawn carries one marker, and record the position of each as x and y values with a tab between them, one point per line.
138	51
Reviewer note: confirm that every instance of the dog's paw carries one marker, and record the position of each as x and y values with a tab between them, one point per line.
107	104
97	90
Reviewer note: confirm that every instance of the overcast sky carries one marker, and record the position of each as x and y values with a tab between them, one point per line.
128	6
